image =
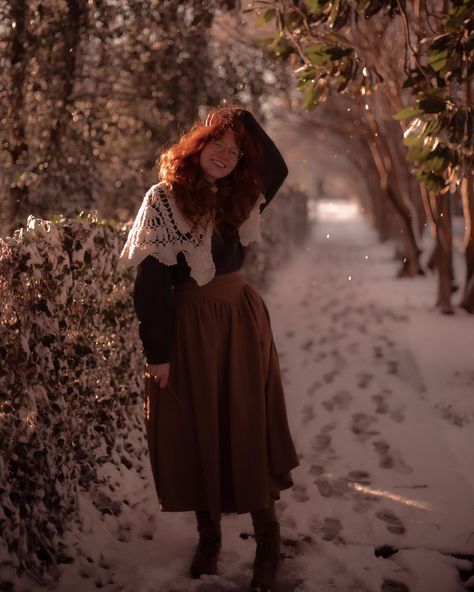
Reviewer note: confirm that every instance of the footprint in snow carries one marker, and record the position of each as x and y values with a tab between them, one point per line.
361	477
314	387
299	493
339	360
330	487
387	340
322	441
340	400
394	586
147	535
398	415
382	448
124	533
390	460
307	345
329	376
381	404
392	522
364	379
331	529
361	424
320	356
316	470
308	413
378	351
364	502
392	367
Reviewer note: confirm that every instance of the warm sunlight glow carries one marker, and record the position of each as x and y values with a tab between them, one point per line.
333	210
391	496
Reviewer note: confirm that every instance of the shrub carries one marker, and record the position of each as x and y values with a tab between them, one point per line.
69	390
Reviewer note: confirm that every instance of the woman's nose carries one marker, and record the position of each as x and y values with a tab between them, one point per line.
223	151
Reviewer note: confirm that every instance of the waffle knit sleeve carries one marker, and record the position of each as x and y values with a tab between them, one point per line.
153	301
274	170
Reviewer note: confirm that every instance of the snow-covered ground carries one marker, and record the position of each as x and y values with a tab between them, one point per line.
380	395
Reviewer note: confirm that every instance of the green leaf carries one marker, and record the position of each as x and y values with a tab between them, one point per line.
438	59
418	153
435	164
413	140
434	125
313	93
305	73
316	6
267	16
309	95
316	54
336	38
407	113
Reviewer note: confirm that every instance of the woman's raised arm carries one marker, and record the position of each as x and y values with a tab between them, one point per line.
275	170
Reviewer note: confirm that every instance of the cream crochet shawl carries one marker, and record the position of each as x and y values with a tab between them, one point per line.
162	231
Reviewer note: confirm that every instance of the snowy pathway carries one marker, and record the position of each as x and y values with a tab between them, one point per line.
379	470
383	451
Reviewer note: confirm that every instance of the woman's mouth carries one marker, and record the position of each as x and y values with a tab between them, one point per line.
218	163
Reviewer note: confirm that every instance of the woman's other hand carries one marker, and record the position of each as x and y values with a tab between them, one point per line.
159	373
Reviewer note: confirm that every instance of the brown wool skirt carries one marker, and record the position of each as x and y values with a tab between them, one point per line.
218	434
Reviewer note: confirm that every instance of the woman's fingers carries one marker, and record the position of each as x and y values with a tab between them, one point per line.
162	381
159	373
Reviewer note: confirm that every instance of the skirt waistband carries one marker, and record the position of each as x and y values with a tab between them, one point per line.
234	278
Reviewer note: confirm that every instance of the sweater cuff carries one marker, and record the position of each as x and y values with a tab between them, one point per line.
156	351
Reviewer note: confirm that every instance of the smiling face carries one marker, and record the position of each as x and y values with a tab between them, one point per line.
219	157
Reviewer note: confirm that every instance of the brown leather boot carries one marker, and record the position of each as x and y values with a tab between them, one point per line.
207	551
267	556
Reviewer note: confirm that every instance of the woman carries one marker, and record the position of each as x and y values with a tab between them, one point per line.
215	412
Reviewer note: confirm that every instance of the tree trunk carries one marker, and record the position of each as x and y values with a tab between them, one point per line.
385	157
444	252
467	193
17	146
411	265
75	22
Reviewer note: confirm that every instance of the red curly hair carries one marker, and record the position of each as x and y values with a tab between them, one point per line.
237	193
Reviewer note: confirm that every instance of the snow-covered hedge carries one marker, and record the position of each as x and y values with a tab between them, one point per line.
70	374
69	387
285	226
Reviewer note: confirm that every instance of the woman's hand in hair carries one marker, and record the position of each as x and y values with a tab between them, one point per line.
159	373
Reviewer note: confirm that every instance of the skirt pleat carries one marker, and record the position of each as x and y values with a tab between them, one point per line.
218	434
